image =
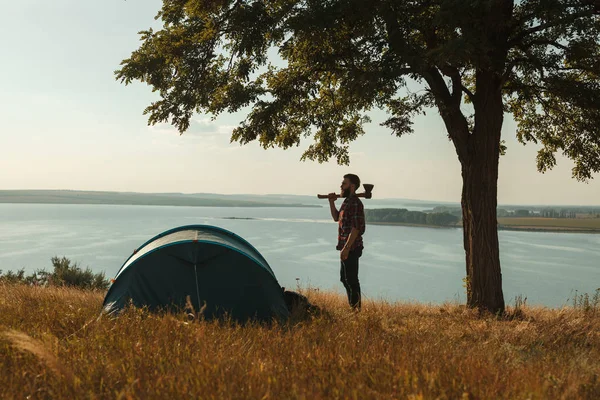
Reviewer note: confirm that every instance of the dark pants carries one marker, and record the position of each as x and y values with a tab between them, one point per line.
349	277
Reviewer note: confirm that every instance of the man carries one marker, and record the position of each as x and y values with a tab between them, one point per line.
351	218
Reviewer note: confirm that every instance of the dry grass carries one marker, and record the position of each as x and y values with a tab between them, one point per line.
54	346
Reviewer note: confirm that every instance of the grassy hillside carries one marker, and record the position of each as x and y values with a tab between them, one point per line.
552	223
152	199
52	345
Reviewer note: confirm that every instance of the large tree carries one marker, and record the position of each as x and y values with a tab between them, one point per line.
338	59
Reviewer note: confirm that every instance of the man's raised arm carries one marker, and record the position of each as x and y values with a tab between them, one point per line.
335	214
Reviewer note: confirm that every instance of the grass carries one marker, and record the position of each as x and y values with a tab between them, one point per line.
552	223
53	345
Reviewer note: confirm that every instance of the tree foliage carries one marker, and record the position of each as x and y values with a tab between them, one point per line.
404	216
341	58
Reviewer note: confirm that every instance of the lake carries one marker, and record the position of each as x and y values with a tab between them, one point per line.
399	263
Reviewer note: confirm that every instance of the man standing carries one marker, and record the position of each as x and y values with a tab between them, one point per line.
351	218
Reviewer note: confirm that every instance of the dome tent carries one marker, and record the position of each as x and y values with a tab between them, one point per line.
213	266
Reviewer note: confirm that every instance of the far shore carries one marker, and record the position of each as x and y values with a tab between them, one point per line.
146	199
547	229
413	225
501	227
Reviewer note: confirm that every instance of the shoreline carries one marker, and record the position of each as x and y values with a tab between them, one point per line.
407	224
70	197
550	229
519	228
84	203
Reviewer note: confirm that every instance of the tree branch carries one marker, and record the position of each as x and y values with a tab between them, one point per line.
457	87
395	40
542	42
571	18
456	123
519	60
468	93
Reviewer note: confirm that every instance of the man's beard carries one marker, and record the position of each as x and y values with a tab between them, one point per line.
346	193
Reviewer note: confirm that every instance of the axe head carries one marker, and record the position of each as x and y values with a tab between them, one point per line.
368	190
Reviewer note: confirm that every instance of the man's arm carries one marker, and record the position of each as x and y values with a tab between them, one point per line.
357	218
335	214
353	235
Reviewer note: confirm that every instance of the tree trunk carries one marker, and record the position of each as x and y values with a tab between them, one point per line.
479	199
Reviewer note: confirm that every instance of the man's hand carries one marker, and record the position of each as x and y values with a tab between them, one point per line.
332	197
344	253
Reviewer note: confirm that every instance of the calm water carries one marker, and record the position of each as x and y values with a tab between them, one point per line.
399	263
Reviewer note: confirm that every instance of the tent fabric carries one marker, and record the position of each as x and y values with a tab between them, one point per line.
216	268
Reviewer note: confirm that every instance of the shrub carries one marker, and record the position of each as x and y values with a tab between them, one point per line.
65	273
586	302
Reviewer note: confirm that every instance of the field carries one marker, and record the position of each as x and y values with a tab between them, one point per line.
53	345
552	223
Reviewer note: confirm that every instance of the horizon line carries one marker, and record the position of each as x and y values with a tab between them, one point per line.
283	194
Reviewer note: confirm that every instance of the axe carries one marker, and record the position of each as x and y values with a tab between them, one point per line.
367	194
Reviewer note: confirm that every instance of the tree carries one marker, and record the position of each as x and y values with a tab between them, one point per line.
476	59
502	213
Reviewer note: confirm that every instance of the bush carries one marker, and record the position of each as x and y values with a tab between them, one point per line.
64	274
586	302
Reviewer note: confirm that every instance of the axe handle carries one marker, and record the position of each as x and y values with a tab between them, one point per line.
365	195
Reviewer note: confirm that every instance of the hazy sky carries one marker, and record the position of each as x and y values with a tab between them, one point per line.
65	123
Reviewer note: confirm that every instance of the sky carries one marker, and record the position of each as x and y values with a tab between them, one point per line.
66	123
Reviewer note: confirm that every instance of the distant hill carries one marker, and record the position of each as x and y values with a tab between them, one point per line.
231	200
262	198
149	199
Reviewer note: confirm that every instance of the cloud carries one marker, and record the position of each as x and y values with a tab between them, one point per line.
208	127
204	134
355	155
204	127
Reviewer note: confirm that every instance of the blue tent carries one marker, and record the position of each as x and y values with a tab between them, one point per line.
213	266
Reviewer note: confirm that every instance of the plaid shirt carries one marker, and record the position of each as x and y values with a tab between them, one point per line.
352	215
